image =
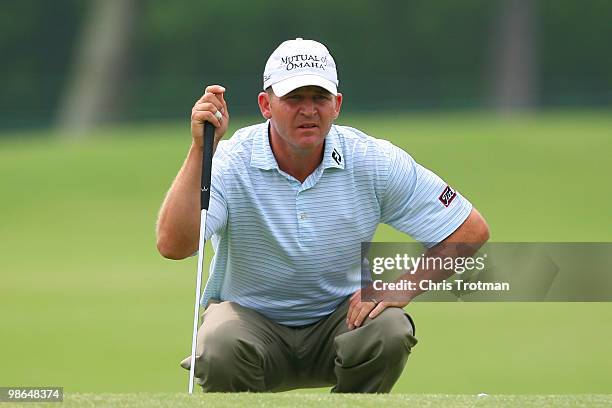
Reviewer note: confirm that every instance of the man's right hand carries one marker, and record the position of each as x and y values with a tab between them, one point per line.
204	111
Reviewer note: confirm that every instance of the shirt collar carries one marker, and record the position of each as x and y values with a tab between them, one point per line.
261	154
263	158
333	156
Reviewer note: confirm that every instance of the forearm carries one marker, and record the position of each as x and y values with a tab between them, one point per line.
464	242
431	267
179	217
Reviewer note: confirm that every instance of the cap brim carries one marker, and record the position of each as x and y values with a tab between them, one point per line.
285	86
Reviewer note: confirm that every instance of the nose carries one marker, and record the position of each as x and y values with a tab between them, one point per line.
308	107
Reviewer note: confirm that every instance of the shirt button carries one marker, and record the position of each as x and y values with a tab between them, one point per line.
302	216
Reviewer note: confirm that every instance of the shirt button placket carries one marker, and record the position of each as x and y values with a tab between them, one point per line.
300	214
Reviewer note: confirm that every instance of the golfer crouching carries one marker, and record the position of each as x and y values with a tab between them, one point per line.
291	201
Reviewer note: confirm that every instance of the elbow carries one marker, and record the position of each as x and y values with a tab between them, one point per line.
166	249
483	230
485	234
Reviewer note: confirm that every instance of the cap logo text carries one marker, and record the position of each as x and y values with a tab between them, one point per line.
304	61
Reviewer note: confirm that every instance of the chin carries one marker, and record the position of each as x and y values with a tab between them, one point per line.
310	141
309	134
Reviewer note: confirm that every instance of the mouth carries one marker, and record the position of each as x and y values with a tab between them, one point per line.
307	126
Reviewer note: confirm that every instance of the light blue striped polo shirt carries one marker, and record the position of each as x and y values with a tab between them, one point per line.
291	250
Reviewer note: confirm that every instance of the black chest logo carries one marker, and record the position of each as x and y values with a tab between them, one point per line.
336	156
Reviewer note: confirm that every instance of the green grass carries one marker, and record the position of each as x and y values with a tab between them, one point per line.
87	303
148	400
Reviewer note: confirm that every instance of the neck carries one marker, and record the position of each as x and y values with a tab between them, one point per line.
298	163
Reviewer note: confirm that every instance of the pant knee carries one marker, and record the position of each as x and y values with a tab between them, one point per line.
389	336
229	363
395	331
372	357
221	344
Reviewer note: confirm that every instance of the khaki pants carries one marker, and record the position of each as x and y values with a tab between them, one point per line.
241	350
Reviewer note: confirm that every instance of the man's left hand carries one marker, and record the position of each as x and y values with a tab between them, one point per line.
359	310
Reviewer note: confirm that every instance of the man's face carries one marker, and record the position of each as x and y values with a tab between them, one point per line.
302	118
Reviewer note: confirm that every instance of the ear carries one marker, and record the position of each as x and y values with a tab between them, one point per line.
338	104
263	100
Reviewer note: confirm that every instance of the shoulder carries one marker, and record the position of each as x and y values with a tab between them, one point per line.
238	148
241	140
364	149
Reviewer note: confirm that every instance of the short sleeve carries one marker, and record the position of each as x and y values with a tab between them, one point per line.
418	202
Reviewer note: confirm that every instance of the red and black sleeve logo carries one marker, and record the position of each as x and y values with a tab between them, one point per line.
447	196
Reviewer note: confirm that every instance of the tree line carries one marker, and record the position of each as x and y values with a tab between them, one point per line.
392	54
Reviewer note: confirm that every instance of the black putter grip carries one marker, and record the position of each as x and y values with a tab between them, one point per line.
209	137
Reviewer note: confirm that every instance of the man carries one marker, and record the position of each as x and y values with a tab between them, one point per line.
291	201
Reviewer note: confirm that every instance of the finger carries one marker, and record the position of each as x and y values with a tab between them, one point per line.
205	116
349	313
365	309
223	101
221	98
211	103
352	315
348	322
218	101
356	298
201	117
215	89
224	110
208	107
378	309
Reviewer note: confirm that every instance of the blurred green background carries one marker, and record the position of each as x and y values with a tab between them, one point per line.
72	61
508	100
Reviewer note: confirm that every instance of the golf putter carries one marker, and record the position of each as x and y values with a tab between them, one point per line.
209	136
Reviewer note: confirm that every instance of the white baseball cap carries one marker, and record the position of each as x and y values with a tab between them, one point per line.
297	63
